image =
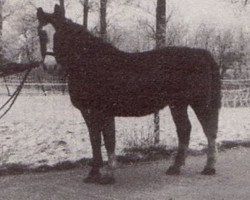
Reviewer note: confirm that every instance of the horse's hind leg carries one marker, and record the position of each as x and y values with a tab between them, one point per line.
93	123
208	118
183	128
109	141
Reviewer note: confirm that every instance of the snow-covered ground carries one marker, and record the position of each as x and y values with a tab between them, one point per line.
48	129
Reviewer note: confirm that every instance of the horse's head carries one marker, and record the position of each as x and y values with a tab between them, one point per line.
50	18
48	23
71	43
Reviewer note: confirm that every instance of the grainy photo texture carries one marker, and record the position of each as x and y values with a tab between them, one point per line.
124	99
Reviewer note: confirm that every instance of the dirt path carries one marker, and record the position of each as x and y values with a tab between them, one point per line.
143	181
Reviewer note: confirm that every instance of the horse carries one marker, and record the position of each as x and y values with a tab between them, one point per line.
105	82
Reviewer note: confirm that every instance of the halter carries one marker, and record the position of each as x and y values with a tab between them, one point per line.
43	38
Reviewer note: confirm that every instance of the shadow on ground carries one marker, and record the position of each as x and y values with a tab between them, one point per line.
131	156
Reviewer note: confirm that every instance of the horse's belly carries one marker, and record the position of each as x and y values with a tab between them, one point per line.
135	110
133	100
129	105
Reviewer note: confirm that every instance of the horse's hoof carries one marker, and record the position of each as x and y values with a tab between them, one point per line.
173	171
92	179
107	180
208	171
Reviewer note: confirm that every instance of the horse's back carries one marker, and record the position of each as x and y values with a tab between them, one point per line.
134	84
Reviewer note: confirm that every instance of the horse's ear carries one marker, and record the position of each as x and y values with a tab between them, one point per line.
39	13
58	11
57	8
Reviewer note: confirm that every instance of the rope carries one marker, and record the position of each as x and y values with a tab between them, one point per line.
14	95
41	84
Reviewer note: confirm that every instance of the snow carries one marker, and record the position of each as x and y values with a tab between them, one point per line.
48	129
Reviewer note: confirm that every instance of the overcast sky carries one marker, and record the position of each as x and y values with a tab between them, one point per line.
219	13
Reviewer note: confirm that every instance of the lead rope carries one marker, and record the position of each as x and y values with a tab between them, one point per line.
43	46
14	96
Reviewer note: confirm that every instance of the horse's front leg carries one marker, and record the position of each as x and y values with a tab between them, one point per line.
109	141
92	120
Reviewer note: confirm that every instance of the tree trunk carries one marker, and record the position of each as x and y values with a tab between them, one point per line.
85	13
62	7
160	24
103	21
160	42
1	29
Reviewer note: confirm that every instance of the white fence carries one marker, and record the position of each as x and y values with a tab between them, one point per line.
34	88
236	98
235	93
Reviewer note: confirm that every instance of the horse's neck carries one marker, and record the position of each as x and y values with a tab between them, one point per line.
90	44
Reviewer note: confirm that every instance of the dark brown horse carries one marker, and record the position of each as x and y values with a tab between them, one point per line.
105	82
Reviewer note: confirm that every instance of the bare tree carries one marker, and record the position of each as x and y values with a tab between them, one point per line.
2	18
224	44
155	32
1	29
30	47
160	42
233	57
62	5
227	49
204	38
85	4
244	2
160	23
103	20
1	42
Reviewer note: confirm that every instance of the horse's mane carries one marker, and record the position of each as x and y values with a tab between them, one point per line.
76	28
